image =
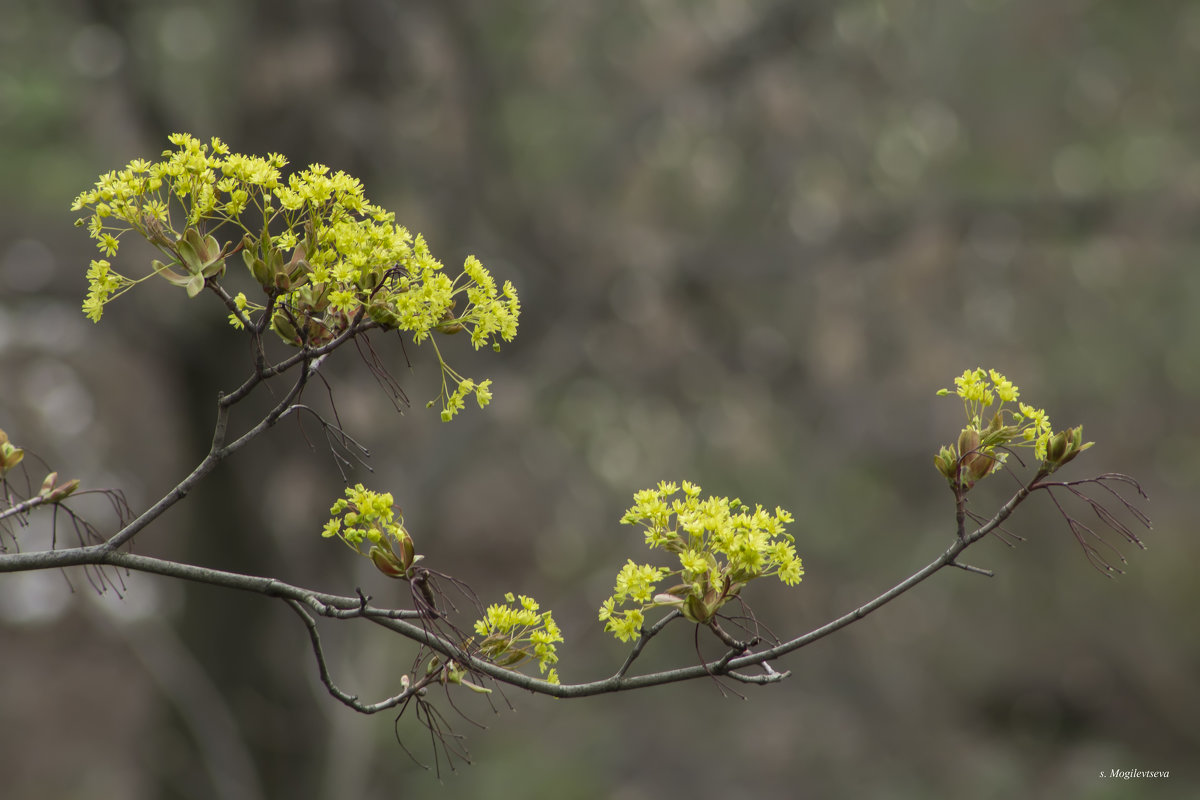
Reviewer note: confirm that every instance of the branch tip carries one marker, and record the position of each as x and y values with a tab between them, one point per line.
976	570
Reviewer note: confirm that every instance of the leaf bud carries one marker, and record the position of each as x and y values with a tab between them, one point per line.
63	492
1075	444
945	462
407	554
968	441
10	455
980	465
1056	448
694	609
386	561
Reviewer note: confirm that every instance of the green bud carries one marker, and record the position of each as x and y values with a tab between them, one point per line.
1075	445
1056	448
407	554
284	329
258	268
695	609
945	461
975	460
386	561
980	464
10	455
968	440
64	491
48	484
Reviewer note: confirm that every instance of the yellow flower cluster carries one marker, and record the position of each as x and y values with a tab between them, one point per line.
513	634
366	515
721	545
324	256
982	447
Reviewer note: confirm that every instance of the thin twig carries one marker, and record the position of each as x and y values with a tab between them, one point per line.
977	570
348	699
644	639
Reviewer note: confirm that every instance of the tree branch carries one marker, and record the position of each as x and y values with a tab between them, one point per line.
410	623
398	621
350	700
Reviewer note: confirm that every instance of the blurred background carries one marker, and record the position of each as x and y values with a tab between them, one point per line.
751	241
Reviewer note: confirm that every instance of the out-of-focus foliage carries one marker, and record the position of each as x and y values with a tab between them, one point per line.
750	239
